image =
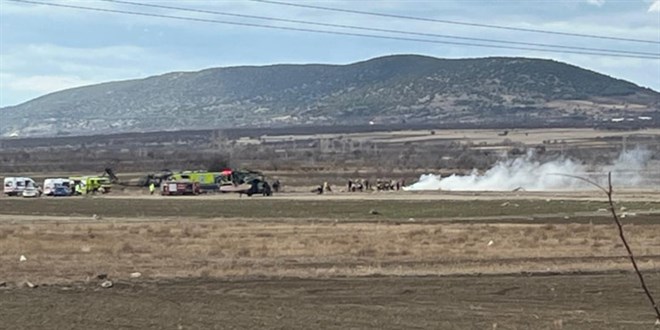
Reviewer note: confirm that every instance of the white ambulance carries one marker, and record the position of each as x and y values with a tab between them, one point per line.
14	186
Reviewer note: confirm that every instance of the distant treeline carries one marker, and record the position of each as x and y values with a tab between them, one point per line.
192	137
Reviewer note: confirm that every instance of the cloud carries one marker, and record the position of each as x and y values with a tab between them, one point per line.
596	2
56	64
32	70
655	7
109	47
58	52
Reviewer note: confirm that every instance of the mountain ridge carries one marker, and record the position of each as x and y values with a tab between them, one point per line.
388	89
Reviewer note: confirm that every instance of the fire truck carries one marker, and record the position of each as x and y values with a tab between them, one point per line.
180	187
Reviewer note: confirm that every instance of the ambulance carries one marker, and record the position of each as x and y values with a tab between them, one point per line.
14	186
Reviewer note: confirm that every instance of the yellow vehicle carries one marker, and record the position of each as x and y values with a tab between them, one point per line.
206	180
239	181
91	184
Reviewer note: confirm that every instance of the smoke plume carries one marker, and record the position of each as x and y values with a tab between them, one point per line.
529	174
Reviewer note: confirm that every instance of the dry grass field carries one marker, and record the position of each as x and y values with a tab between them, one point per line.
70	251
479	136
297	260
401	206
574	301
221	261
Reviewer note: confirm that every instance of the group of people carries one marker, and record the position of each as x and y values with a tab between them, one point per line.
382	185
358	185
361	185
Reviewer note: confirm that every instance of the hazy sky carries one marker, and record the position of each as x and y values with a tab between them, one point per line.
45	49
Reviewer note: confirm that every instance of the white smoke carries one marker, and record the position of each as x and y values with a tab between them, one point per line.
628	170
526	173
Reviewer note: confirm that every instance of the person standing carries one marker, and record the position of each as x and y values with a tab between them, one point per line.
152	188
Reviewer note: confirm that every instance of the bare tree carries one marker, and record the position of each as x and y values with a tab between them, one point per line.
609	192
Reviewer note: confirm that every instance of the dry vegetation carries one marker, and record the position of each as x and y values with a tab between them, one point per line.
342	207
78	251
308	152
486	260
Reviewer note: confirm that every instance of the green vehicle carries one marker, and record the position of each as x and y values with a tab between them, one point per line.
228	180
207	180
90	184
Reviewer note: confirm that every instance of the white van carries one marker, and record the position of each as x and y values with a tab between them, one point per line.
52	183
15	186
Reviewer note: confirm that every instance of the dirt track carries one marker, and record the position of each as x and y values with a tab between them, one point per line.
490	208
589	194
597	301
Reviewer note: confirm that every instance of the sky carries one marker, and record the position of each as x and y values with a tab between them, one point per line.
46	49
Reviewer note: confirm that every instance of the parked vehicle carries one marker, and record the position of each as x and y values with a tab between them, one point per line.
14	186
31	192
180	187
52	183
91	184
60	191
228	180
209	181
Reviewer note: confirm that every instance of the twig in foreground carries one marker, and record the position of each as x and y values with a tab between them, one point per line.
609	191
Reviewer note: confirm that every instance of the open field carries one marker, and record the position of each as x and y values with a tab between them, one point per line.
481	136
383	260
220	261
340	207
589	301
223	235
61	249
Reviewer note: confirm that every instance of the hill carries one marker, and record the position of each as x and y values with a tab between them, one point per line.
386	90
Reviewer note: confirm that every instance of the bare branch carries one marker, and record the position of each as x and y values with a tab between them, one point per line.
609	192
630	253
589	181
